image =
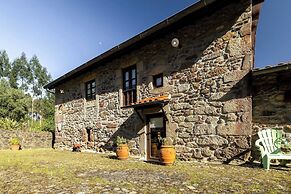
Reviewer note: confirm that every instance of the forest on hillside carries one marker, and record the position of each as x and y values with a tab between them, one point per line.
24	104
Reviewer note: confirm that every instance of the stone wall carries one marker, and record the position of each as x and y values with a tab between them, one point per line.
27	139
208	78
272	99
271	106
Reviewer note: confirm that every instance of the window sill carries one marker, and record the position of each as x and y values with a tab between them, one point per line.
90	103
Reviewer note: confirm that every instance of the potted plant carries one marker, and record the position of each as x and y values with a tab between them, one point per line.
122	151
76	147
14	143
167	152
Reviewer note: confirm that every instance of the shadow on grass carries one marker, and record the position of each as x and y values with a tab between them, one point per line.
251	165
260	166
153	162
113	157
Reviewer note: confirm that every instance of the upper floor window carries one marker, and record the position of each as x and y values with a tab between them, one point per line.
129	85
90	90
158	80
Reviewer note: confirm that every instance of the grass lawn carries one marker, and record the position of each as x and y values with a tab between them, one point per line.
52	171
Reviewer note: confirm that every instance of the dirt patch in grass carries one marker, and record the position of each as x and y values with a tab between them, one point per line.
52	171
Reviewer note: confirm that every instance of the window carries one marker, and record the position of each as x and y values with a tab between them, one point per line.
88	130
287	96
129	85
158	80
90	90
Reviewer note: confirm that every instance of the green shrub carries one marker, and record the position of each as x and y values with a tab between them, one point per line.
120	140
49	125
35	126
44	125
167	141
14	141
9	124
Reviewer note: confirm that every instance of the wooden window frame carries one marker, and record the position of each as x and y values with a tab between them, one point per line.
129	91
89	87
155	77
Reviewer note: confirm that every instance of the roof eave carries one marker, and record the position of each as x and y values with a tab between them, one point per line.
169	21
275	69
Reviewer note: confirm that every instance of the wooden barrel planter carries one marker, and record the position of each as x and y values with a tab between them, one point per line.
167	155
122	152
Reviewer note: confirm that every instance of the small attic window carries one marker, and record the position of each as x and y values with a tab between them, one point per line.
287	96
158	80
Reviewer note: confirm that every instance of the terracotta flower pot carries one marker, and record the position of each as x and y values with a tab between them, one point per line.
167	155
77	147
122	152
15	147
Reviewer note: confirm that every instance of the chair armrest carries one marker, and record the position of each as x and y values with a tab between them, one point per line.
261	147
257	143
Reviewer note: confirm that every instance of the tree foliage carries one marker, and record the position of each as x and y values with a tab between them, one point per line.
39	76
14	103
28	75
22	93
4	64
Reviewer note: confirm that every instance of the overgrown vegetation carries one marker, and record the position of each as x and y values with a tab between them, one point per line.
24	104
9	124
14	141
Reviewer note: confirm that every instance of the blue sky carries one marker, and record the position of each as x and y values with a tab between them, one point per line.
66	33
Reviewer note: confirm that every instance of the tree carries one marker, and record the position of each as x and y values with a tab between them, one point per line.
20	73
40	76
29	76
14	103
24	73
4	64
21	91
45	106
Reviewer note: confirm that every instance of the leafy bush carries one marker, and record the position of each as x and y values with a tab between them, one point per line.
34	126
167	141
44	125
9	124
49	125
120	140
14	141
14	103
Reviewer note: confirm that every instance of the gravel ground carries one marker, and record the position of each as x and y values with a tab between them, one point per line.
51	171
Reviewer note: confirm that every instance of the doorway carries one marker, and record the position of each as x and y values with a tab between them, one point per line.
156	130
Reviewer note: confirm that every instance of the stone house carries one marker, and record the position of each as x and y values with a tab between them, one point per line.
187	78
